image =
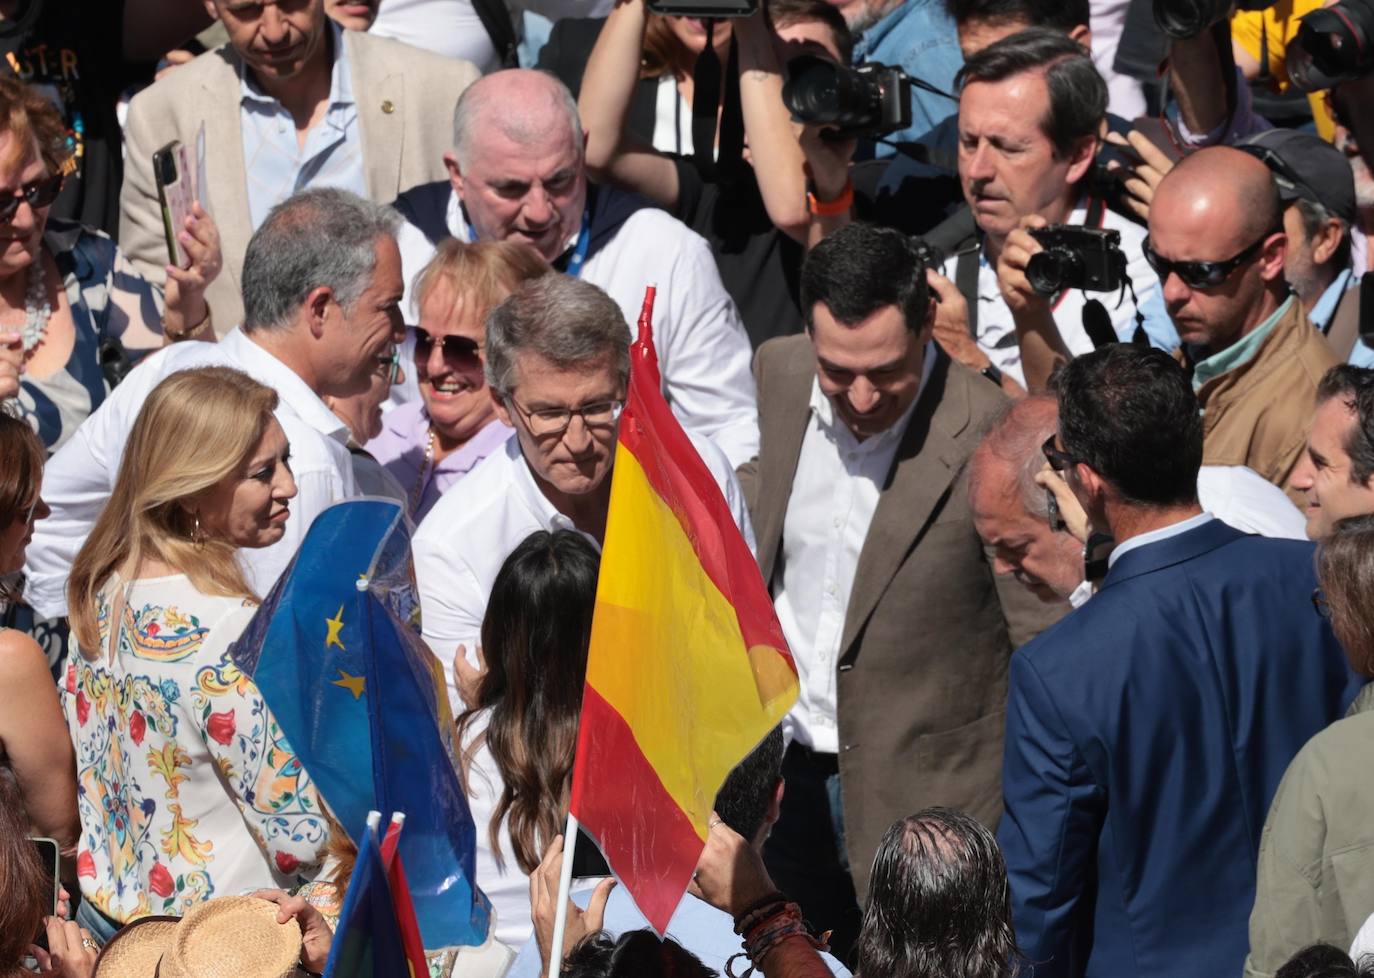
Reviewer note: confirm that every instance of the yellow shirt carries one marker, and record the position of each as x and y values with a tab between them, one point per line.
1277	26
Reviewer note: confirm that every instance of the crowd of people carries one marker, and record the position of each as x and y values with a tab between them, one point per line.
1039	382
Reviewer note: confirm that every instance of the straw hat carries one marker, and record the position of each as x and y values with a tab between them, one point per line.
228	937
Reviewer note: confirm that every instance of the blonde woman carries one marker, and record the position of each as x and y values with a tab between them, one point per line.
187	788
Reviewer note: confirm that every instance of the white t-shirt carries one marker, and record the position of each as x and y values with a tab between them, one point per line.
448	27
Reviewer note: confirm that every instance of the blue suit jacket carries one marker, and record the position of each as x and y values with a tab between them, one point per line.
1146	735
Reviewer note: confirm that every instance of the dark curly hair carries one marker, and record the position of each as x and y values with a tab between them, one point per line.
635	954
938	902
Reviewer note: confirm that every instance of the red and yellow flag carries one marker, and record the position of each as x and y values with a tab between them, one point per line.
687	669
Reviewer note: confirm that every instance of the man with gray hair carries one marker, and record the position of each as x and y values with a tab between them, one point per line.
517	173
322	295
558	367
1019	518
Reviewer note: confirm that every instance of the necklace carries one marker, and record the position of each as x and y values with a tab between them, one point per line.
419	489
37	310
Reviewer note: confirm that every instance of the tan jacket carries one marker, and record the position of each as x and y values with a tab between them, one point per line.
922	671
1259	413
1316	858
405	100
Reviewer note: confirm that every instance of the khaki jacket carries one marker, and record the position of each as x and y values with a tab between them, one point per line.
405	99
1316	859
1258	414
922	670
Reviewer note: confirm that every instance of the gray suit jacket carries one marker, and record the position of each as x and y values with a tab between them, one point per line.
405	100
930	629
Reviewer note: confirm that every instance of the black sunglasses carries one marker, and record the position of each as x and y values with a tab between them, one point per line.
459	352
1202	274
38	194
1059	460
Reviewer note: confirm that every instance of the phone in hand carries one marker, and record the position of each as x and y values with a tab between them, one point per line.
48	856
176	194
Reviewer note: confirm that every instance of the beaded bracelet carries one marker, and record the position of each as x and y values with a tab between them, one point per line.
771	924
759	910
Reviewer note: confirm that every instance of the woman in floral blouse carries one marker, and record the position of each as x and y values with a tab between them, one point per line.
186	787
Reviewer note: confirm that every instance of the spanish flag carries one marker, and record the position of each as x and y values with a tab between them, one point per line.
687	670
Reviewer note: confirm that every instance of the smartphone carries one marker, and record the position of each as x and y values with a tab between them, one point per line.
48	857
176	193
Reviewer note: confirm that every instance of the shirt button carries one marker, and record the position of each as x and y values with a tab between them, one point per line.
852	456
838	522
830	590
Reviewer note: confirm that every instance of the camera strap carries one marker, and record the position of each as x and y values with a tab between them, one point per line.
707	79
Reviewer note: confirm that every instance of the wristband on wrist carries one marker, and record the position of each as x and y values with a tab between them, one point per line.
832	208
191	331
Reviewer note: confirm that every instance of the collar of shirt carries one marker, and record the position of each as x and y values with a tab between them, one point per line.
476	448
867	41
1322	312
1239	353
1155	536
1081	594
528	490
340	81
824	412
287	383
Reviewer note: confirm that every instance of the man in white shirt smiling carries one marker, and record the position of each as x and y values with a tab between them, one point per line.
558	366
517	173
899	629
322	293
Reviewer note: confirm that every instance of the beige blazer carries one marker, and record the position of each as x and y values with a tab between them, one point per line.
922	672
405	99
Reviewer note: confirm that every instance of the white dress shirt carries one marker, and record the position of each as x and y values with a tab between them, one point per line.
834	496
1158	536
997	329
703	351
78	479
460	546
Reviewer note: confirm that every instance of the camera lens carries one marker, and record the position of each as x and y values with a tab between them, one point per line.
1188	18
1332	46
821	92
1048	270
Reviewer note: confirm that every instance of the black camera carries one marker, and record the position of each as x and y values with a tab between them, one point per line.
1182	19
869	100
1076	258
704	9
1332	46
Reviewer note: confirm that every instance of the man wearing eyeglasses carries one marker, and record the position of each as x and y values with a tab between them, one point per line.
558	368
1148	731
1217	242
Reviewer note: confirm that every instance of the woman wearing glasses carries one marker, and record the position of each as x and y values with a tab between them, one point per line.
430	444
73	312
1316	859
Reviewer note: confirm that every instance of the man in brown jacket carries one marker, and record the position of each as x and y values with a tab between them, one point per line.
900	630
1217	242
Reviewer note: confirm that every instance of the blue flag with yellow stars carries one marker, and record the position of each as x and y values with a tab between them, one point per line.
335	651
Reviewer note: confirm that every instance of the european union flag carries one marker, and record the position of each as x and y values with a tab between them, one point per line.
336	652
367	943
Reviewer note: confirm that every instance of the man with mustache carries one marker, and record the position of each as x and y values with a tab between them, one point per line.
293	101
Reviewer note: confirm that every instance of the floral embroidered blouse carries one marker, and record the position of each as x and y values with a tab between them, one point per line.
186	787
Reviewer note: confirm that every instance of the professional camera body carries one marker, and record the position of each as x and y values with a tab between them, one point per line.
870	100
1076	257
704	8
1332	46
1182	19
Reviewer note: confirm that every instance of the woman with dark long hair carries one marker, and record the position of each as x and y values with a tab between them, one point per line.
519	735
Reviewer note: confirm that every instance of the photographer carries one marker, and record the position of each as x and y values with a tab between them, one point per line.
752	210
1031	107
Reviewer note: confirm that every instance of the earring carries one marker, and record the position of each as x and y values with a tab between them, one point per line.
197	534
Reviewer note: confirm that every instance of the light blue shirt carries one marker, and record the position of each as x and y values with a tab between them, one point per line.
1155	536
919	36
275	164
696	925
1361	355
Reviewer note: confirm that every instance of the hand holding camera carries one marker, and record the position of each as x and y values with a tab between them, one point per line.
1012	280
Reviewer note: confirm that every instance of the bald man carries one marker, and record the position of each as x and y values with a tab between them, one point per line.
1217	242
516	173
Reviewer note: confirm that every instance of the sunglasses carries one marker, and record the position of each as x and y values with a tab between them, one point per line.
459	352
38	194
389	365
1059	459
1202	274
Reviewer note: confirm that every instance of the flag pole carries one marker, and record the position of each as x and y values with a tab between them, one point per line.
560	919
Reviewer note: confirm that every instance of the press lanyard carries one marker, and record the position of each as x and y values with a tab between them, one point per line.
584	240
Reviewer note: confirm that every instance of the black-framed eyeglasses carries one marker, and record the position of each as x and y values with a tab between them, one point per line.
389	365
1059	459
547	422
1202	274
38	194
459	352
1319	604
